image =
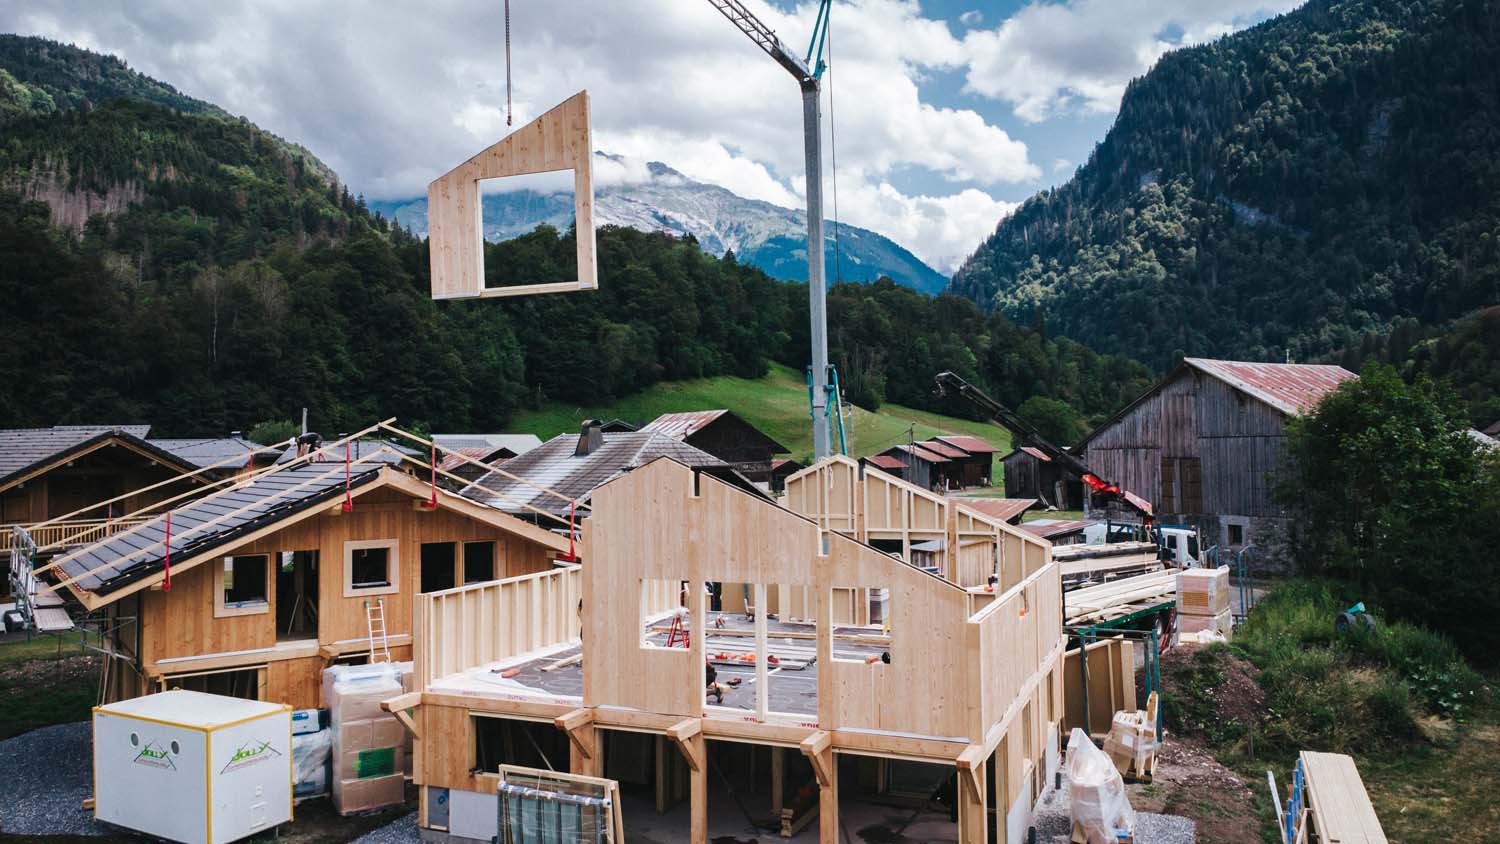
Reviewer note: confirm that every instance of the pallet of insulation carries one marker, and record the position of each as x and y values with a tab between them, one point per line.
1203	592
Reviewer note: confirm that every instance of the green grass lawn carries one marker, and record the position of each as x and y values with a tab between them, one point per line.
48	680
776	404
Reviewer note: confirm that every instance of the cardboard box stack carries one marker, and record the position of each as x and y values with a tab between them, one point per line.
368	743
1203	601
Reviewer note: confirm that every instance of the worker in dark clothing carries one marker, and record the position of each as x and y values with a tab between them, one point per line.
713	683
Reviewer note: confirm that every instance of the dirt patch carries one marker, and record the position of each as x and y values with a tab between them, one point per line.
1190	783
1210	694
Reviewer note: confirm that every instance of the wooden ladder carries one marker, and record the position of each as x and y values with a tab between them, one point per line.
380	646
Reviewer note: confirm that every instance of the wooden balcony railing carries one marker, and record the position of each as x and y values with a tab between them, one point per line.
71	532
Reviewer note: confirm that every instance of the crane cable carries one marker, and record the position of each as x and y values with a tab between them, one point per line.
833	148
507	63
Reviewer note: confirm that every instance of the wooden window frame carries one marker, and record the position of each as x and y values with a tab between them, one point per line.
392	571
224	610
462	561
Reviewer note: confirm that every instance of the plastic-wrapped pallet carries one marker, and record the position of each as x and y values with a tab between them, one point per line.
1203	592
1192	624
310	752
368	743
1131	741
1100	808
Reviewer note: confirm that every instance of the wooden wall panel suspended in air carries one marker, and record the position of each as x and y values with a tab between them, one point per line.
558	140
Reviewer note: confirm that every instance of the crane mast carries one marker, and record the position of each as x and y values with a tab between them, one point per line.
808	72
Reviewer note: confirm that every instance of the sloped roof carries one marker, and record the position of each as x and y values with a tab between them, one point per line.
1486	442
204	452
919	452
1003	509
683	425
949	451
972	445
1047	529
1493	430
553	465
1026	449
516	444
24	450
1292	388
120	559
885	461
454	458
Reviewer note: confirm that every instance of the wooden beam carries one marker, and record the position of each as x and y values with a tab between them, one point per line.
578	725
971	770
816	748
573	720
686	734
400	705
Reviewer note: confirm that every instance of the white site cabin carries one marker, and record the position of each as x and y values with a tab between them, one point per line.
193	767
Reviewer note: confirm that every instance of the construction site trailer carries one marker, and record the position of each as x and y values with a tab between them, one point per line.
193	767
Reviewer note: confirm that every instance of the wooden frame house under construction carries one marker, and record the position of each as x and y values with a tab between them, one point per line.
835	671
255	589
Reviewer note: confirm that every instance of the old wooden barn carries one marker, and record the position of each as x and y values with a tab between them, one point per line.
1205	445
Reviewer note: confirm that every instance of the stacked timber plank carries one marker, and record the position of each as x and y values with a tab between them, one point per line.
1203	603
1085	564
1119	598
1340	806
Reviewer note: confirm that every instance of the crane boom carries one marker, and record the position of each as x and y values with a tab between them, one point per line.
807	71
763	36
1027	434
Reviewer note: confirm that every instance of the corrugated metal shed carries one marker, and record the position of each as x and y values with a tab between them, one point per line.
263	501
883	461
1052	528
972	445
554	466
1003	509
1292	388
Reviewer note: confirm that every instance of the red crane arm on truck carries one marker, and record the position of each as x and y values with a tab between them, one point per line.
1102	491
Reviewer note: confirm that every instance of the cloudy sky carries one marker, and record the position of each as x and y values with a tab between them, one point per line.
946	112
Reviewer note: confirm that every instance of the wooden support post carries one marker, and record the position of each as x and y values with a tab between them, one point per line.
762	679
688	736
583	741
400	707
778	780
818	748
973	823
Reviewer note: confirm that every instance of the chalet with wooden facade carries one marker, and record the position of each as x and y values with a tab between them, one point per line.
1204	446
875	680
725	435
252	591
63	471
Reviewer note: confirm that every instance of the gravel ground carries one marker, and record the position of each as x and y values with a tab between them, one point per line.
1054	824
47	776
403	830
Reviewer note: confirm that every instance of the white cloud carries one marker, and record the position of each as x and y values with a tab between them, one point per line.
393	94
1058	57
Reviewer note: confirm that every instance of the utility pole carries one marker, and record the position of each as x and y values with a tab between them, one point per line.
808	71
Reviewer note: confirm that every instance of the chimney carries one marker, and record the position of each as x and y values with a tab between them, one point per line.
590	438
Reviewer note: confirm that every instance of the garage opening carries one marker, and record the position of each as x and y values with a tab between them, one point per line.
242	683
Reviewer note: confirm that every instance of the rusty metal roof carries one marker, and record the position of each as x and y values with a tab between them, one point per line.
944	449
1026	449
1050	529
683	425
886	462
972	445
454	458
1292	388
917	451
1003	509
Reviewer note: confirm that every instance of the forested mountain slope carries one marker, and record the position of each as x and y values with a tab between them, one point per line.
161	261
1291	186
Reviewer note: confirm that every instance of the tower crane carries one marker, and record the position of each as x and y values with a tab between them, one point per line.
808	72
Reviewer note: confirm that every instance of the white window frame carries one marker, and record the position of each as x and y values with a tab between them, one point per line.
224	610
392	573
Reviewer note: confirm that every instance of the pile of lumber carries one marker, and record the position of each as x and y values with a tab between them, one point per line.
1082	565
1119	598
1203	604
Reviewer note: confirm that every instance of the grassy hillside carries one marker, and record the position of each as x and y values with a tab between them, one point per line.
777	404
